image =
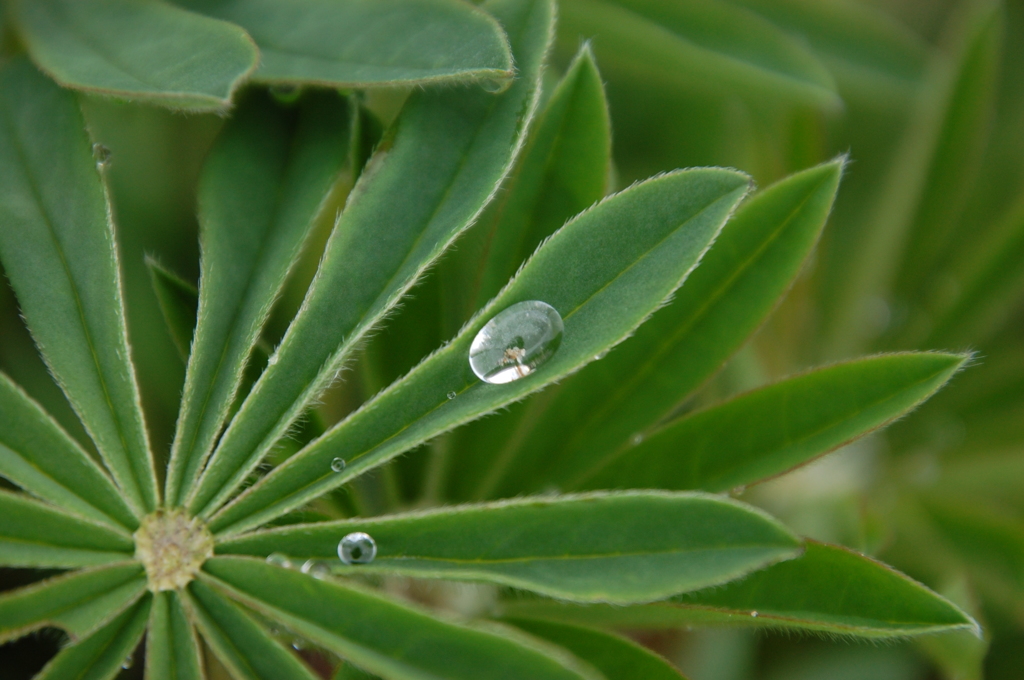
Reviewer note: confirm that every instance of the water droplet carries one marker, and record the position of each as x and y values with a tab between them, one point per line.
737	490
754	614
637	439
298	644
316	569
285	94
602	355
338	464
101	155
279	560
496	85
272	360
128	662
357	548
515	342
452	395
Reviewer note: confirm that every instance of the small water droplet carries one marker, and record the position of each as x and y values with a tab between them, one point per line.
101	155
279	560
515	342
338	464
452	395
357	548
496	85
737	490
298	644
128	662
602	355
285	94
754	614
272	360
637	439
316	569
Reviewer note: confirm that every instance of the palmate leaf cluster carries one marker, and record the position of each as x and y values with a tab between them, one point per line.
347	263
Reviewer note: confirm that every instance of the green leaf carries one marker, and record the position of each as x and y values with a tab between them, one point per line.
78	603
179	303
264	185
40	457
458	144
604	272
628	547
712	45
36	535
829	589
771	430
753	262
58	249
103	654
142	50
239	642
366	43
616	657
172	647
383	637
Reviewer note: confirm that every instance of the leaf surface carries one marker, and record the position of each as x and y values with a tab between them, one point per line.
457	144
262	188
40	457
142	50
58	249
828	589
771	430
78	603
367	43
629	547
102	655
613	401
616	657
383	637
179	304
603	273
36	535
239	642
172	647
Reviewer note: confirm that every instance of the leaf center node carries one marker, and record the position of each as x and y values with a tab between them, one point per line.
172	547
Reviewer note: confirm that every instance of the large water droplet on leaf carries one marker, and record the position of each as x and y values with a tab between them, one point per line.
515	342
357	548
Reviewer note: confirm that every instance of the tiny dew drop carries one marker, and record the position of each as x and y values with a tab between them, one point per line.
637	439
316	569
101	155
451	395
754	614
272	360
496	85
357	548
515	342
298	644
128	662
338	464
279	560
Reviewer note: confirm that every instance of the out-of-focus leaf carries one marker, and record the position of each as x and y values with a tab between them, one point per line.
603	273
712	44
773	429
366	43
616	657
610	402
383	637
828	589
103	654
37	455
631	547
78	603
179	303
172	647
37	535
143	50
58	249
239	642
264	185
459	144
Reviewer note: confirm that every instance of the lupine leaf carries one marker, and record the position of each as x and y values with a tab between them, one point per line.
829	589
262	188
616	657
143	50
36	535
179	303
776	428
459	144
363	43
711	44
603	273
612	401
629	547
383	637
172	647
239	642
58	249
104	653
78	603
37	455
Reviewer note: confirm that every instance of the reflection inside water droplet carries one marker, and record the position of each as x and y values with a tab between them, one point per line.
357	548
101	155
515	342
279	560
338	464
451	395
